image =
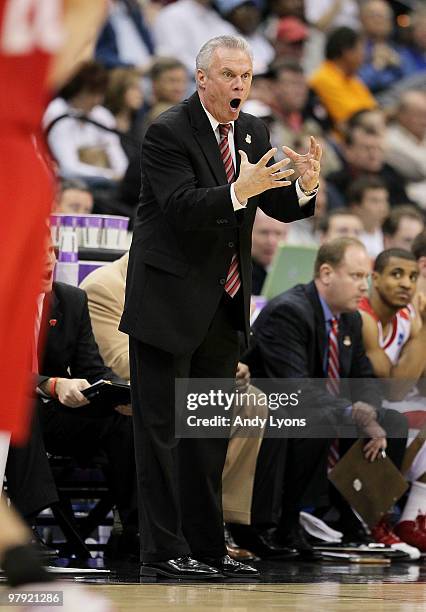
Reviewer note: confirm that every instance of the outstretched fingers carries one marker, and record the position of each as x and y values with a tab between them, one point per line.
281	174
265	158
277	179
292	154
318	152
278	165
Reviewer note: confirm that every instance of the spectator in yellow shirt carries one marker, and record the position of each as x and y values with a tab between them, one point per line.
336	82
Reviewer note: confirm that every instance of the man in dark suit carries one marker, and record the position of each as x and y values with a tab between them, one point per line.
188	295
69	362
293	340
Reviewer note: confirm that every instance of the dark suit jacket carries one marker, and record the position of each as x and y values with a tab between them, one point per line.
258	277
290	342
186	229
70	349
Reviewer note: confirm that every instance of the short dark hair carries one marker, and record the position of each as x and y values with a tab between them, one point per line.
78	184
91	76
358	128
356	120
340	40
285	65
333	252
418	248
391	223
382	258
324	222
164	64
355	193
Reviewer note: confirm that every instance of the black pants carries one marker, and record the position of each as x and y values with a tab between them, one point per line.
179	481
67	432
30	483
297	470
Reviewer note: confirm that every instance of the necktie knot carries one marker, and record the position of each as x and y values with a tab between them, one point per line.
224	129
335	326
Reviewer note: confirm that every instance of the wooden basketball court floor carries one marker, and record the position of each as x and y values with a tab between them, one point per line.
300	587
330	597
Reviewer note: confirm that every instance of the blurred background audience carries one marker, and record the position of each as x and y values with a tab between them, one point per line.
350	72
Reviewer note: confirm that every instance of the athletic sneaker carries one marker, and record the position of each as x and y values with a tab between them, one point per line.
383	534
413	532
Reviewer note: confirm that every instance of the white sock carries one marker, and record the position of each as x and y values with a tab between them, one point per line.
416	502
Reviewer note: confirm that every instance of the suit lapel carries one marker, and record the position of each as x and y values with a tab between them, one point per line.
319	323
50	326
205	137
241	136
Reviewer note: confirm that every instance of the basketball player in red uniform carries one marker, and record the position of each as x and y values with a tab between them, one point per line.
40	40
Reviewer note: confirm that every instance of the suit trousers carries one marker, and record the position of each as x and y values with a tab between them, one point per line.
305	479
73	432
180	480
294	472
30	483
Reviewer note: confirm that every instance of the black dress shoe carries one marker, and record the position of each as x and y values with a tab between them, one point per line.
356	536
295	537
231	568
262	544
183	567
123	546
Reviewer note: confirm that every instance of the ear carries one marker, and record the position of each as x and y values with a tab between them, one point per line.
422	264
201	77
325	273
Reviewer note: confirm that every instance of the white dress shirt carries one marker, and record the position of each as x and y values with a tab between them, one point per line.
303	199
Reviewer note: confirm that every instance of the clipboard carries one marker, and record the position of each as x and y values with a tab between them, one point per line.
109	393
370	488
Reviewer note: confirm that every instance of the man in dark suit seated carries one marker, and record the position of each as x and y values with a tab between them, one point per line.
313	331
69	362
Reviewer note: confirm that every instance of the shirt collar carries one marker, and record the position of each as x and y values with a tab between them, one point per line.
328	315
214	122
40	300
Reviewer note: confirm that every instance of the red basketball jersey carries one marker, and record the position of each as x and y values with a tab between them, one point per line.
30	33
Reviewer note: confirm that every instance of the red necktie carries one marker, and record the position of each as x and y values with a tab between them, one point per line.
333	383
233	279
333	368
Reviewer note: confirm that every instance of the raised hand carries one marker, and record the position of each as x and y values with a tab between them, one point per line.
257	178
308	165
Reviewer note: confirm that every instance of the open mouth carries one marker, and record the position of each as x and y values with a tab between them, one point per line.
235	104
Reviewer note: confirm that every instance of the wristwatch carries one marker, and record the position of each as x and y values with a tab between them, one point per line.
310	192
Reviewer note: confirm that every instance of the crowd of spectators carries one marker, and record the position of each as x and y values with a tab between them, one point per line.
351	73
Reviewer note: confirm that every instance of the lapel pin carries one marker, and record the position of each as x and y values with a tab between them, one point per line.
248	139
52	322
347	341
